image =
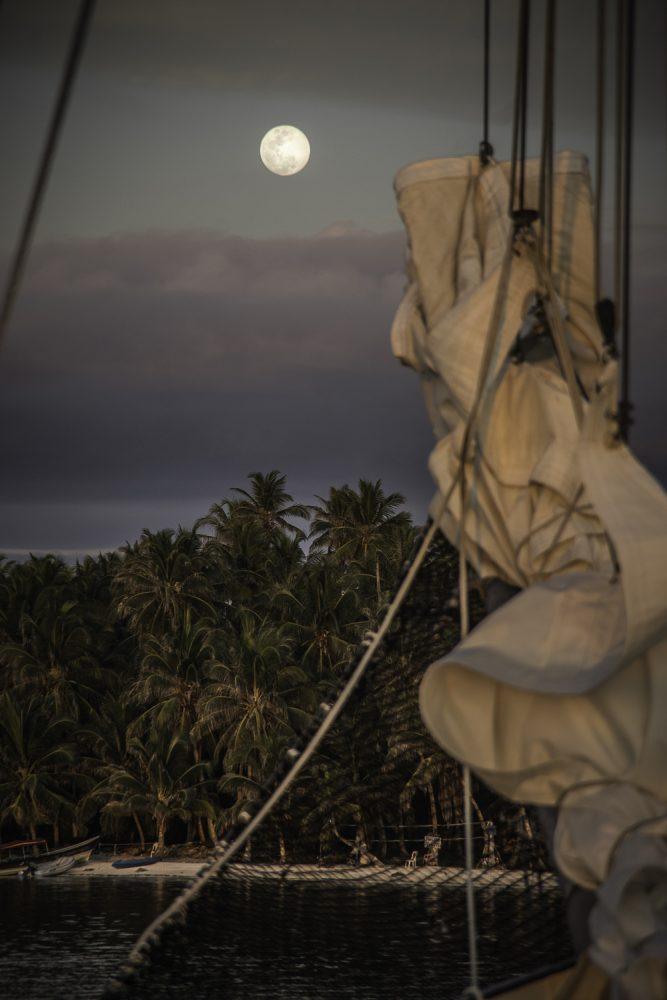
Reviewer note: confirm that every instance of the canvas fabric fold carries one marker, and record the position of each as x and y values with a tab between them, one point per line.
565	686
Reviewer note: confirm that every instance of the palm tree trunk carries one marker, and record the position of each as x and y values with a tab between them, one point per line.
401	832
432	806
33	831
161	832
282	849
140	830
56	833
447	797
382	838
200	830
212	832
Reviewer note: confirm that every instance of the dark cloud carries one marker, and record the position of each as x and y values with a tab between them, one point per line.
378	51
146	374
170	366
210	308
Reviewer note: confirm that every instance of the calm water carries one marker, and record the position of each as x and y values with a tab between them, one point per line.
63	938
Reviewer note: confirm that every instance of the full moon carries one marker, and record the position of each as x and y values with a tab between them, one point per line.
285	150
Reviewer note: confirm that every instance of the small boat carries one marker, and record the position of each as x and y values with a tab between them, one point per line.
134	862
53	868
17	854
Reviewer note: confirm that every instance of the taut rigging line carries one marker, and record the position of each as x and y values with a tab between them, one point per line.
72	63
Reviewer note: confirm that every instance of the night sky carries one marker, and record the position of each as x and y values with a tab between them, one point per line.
188	317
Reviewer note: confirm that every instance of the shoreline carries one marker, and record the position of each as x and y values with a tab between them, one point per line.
371	875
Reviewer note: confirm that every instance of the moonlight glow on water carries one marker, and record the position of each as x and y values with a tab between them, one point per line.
285	150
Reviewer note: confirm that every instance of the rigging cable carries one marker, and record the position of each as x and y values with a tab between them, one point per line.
520	215
623	248
618	159
545	199
599	136
605	311
485	147
75	52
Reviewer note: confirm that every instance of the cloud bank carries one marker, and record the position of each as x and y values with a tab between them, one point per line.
169	365
146	374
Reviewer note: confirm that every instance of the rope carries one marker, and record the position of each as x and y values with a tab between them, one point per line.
545	200
525	32
236	838
618	158
77	45
520	215
485	147
493	330
599	135
624	249
473	988
517	113
605	312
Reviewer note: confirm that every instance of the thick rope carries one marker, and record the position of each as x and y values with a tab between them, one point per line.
76	49
226	850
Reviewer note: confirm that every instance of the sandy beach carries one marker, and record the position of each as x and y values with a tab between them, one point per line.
372	875
172	869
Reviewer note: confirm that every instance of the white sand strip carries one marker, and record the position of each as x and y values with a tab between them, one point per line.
339	873
178	869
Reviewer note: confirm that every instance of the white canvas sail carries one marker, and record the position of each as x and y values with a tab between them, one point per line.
565	686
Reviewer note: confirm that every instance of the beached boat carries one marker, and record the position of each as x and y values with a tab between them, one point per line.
134	862
19	854
52	868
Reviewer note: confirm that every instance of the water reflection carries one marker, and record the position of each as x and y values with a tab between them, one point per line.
269	939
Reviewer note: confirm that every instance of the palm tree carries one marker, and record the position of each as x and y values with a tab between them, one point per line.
268	504
55	658
160	577
188	664
249	567
358	526
105	740
159	780
323	615
36	761
254	694
171	678
27	588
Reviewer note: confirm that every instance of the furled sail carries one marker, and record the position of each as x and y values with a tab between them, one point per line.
559	697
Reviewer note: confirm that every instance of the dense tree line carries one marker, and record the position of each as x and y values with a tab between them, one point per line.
149	693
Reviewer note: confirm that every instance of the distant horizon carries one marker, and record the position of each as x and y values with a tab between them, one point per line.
71	555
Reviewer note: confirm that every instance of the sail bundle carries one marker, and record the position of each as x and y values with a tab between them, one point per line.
558	698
